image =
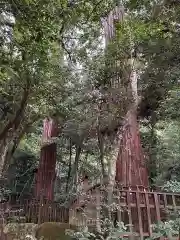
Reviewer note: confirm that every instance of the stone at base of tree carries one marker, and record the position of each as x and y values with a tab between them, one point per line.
54	231
20	231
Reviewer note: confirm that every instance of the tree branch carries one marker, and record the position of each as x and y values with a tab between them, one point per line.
16	120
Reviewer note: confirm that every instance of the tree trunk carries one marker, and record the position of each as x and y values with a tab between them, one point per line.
10	152
4	151
128	155
70	165
7	135
7	150
12	143
130	166
101	153
112	170
13	124
76	166
109	29
46	174
153	166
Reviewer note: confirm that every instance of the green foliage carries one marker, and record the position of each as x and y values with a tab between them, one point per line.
53	55
53	64
83	235
108	232
21	174
166	229
36	79
163	150
172	186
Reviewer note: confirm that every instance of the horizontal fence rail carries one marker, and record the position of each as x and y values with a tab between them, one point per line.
34	212
138	210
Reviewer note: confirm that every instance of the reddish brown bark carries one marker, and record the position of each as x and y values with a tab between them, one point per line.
130	166
46	171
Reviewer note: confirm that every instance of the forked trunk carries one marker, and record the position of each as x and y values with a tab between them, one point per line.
128	154
116	14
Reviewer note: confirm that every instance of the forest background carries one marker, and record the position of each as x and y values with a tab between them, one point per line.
53	64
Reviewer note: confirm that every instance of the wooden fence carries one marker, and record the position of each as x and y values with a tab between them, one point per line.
142	209
32	211
138	209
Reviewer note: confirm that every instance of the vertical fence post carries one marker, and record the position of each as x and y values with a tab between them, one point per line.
39	210
148	213
129	214
139	215
119	206
174	203
98	210
165	202
157	207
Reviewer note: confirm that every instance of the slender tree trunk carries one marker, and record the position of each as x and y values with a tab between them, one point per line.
70	165
13	142
101	152
11	150
13	124
100	140
8	133
76	166
153	168
112	168
4	151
